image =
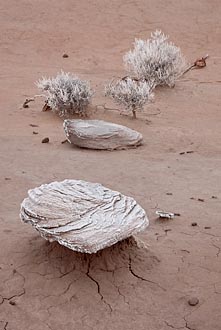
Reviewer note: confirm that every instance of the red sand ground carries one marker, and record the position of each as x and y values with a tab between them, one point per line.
44	286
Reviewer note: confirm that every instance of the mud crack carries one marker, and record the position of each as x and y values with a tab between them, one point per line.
218	248
186	325
98	287
18	294
142	278
171	326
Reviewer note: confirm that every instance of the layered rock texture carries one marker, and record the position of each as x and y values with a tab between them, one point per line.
99	134
82	216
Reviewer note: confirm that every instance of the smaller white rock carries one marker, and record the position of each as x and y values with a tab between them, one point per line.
99	134
164	215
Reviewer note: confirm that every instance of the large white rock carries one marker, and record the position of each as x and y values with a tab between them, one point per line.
99	134
82	216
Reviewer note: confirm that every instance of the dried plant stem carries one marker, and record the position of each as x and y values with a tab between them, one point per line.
195	65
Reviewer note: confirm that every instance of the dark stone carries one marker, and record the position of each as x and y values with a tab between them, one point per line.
193	301
11	302
45	140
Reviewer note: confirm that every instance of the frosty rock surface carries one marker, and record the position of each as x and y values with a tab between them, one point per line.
99	134
82	216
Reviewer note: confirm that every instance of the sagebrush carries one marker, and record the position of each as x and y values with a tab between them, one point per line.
156	60
66	94
132	94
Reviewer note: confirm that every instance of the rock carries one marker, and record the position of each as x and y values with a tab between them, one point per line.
193	301
98	134
45	140
82	216
33	125
65	56
12	302
194	224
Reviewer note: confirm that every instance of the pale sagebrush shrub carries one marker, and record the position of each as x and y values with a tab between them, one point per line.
66	94
156	59
130	93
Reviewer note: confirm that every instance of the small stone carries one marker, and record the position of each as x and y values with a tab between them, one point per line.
11	302
169	194
207	227
7	179
45	140
201	200
193	224
33	125
214	197
193	301
35	132
65	56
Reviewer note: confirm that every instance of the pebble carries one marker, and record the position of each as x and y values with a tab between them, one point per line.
11	302
193	301
65	56
45	140
193	224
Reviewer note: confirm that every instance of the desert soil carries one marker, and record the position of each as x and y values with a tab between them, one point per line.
44	286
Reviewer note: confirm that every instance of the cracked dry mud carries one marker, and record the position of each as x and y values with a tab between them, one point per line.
124	287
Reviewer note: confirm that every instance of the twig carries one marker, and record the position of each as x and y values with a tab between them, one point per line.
25	104
199	64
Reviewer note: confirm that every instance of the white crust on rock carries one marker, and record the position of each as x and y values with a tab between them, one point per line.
99	134
82	216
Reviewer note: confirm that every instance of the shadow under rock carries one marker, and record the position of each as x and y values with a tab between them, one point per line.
127	254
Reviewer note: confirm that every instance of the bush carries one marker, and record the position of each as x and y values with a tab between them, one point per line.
131	93
66	94
156	60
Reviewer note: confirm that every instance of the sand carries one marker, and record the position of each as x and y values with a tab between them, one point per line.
47	287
